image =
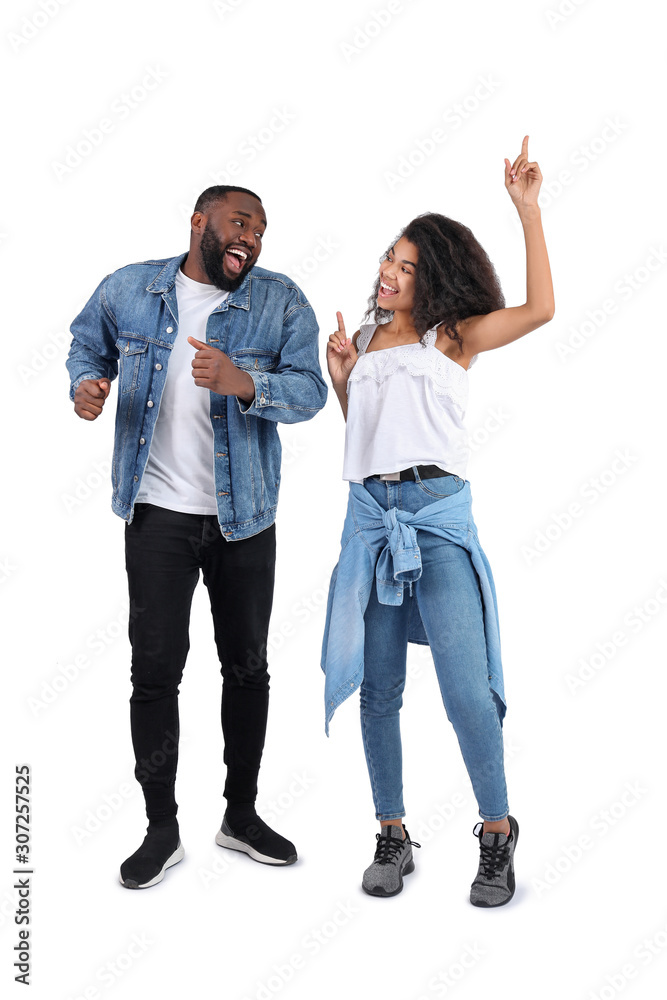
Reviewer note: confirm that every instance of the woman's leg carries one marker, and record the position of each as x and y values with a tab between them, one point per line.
450	604
381	698
381	692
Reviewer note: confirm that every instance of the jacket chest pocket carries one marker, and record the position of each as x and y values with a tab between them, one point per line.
255	359
132	353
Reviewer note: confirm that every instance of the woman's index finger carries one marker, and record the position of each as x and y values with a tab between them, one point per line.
341	324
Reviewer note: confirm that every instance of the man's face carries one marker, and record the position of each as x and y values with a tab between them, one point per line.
231	242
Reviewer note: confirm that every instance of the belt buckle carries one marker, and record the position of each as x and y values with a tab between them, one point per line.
390	475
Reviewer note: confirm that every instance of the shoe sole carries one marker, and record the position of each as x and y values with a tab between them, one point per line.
177	856
232	844
492	906
383	892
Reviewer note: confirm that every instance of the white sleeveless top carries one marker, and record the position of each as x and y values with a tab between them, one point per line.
405	406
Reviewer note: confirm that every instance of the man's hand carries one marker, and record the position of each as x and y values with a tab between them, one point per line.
213	369
90	396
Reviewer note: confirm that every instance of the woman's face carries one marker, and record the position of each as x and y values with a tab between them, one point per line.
397	276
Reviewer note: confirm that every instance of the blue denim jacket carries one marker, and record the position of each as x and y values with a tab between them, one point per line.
266	326
383	543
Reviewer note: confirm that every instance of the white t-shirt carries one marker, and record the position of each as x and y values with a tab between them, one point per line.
179	473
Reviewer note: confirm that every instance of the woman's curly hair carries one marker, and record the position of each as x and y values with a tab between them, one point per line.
454	277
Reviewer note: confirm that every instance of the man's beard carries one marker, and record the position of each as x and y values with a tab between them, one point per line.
212	252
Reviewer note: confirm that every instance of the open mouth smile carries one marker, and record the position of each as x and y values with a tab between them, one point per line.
386	291
236	258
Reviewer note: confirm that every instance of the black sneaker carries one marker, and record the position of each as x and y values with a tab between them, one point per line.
393	859
494	885
161	848
257	840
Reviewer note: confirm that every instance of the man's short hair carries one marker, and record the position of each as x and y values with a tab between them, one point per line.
218	193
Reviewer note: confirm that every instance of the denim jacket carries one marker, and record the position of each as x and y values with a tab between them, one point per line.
266	326
383	543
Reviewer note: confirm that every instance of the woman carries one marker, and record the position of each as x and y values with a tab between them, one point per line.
402	384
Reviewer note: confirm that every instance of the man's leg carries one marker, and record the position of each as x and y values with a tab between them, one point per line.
162	563
240	580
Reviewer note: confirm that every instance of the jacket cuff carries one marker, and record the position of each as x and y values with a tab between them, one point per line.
262	395
82	378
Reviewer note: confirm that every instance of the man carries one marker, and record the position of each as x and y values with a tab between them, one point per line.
211	352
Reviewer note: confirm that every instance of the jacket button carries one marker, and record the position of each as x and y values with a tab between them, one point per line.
127	348
170	329
158	368
136	479
142	440
149	403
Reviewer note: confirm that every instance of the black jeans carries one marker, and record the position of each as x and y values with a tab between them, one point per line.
164	551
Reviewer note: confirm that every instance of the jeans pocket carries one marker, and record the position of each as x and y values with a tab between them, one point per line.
441	486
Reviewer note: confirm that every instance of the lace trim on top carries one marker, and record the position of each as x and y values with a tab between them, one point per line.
447	378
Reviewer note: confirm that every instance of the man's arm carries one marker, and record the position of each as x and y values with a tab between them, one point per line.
93	354
295	389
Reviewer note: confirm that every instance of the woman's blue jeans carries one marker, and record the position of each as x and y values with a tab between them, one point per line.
450	605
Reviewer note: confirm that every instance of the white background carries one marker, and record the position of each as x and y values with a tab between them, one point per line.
358	97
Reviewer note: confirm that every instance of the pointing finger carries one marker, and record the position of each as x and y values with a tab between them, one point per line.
341	324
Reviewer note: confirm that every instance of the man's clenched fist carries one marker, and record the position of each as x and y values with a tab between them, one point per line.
89	397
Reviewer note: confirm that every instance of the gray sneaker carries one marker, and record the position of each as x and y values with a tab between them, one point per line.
494	884
393	860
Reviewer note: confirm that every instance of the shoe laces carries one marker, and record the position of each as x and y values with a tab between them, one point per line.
493	857
389	848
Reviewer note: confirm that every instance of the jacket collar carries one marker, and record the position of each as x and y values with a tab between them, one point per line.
165	279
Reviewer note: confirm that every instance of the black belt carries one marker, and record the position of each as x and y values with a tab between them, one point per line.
425	472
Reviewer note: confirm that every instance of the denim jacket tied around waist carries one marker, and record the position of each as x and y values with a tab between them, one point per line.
266	326
383	543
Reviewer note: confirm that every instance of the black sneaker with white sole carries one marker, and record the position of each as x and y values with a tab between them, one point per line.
393	859
161	848
253	837
495	884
